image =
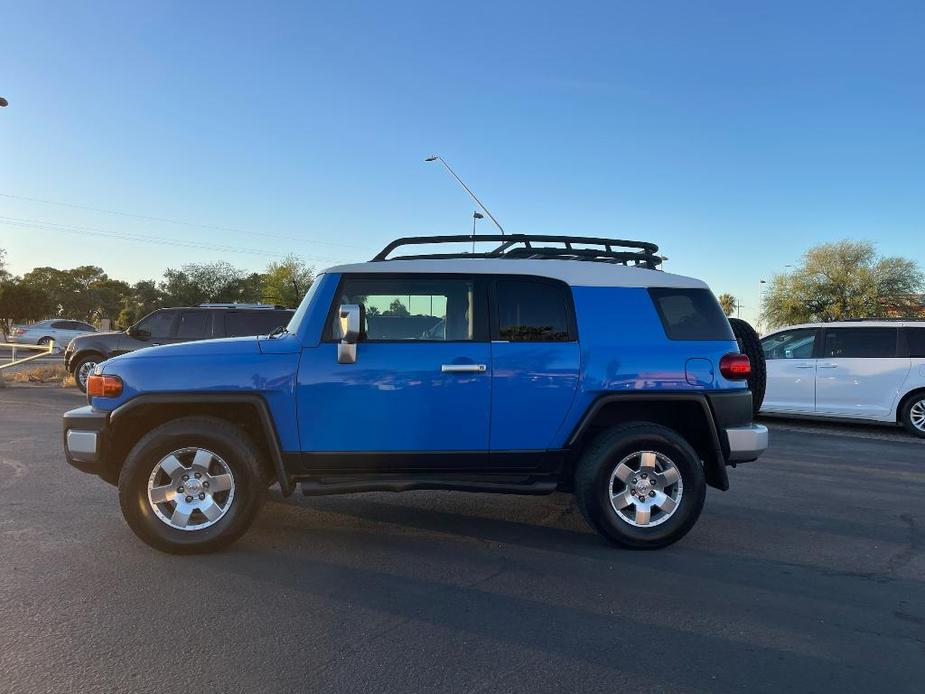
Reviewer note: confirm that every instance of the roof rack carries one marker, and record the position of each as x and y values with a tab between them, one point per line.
617	251
247	306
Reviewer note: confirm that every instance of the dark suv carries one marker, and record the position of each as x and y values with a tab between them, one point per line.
167	326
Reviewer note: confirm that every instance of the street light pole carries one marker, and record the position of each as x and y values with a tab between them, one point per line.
437	157
475	217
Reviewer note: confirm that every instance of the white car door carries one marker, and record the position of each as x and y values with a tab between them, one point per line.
860	372
791	384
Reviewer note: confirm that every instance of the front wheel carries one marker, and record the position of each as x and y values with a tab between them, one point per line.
192	485
83	369
913	415
640	485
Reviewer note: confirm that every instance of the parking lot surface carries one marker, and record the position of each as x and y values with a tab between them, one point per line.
808	575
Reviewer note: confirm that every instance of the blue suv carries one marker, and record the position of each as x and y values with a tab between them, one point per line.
546	363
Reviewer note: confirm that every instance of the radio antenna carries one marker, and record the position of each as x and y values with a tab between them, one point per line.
437	157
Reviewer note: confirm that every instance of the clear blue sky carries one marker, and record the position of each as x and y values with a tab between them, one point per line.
733	134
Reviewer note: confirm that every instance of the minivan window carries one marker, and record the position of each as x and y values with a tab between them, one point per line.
859	343
790	344
194	325
413	309
531	311
263	322
691	314
915	338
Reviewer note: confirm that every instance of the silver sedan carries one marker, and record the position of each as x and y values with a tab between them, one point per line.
43	332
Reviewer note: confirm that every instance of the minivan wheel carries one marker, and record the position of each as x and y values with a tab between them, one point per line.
192	485
640	485
913	415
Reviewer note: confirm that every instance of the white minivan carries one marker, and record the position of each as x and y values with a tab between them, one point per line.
872	370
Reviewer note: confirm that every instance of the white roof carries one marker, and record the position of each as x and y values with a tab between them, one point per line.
576	273
873	323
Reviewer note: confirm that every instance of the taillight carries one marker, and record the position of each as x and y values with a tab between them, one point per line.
104	386
19	331
735	367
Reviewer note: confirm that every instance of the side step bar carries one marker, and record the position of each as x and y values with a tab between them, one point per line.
382	482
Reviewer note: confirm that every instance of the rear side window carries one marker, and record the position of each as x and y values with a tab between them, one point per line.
247	323
691	314
859	343
915	337
530	311
194	325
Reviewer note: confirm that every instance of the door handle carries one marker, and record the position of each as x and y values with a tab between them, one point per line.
463	368
828	366
804	366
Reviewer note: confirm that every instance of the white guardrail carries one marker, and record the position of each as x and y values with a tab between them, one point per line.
43	350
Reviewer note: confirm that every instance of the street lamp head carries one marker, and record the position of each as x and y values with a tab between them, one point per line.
4	102
432	157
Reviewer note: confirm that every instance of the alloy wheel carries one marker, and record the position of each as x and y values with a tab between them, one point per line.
645	489
191	489
917	415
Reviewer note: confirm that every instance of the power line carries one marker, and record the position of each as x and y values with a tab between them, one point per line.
143	238
165	220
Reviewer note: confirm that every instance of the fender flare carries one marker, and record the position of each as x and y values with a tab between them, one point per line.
714	467
286	483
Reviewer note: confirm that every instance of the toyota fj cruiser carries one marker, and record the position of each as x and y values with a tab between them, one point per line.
546	363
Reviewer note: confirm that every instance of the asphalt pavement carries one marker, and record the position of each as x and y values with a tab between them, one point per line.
807	576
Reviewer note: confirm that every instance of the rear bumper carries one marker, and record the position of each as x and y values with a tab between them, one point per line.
85	433
746	443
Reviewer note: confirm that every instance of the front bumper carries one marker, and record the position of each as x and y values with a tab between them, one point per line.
86	439
746	443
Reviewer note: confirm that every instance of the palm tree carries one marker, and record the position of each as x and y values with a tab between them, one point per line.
728	302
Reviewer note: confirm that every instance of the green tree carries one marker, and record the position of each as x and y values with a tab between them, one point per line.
397	308
4	273
287	281
85	293
142	298
21	303
842	280
728	302
219	282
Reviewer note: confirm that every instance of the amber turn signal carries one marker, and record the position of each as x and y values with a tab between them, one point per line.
104	386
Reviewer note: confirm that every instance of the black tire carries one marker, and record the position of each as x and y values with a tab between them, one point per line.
603	455
905	414
750	346
79	363
43	341
216	435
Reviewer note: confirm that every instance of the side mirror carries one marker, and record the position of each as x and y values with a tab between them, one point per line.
348	317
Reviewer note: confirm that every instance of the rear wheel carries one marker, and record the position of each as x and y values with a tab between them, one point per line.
640	485
750	345
913	415
44	341
192	485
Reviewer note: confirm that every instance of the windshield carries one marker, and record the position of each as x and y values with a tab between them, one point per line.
303	307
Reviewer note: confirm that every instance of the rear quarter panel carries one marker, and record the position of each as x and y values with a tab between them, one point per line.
624	349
